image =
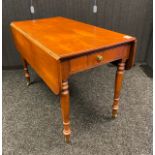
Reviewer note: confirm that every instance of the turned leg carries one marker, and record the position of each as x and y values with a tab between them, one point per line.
118	85
65	109
27	75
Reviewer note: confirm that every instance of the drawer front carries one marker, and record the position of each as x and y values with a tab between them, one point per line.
78	64
98	58
108	55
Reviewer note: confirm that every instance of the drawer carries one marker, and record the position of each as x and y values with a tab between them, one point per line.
78	64
108	55
91	60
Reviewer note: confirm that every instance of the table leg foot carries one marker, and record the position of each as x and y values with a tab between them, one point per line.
118	85
67	139
65	109
26	72
28	83
114	113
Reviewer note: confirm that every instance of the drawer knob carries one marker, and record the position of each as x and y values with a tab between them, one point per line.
99	58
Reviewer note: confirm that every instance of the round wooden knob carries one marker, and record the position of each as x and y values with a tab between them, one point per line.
99	58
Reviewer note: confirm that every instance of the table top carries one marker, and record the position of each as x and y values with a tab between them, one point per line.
63	37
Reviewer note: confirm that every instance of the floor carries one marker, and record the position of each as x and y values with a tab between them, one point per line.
32	122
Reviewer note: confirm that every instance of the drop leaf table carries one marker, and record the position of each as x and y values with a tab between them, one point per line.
58	47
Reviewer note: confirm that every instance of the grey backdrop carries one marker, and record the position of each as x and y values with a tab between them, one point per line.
133	17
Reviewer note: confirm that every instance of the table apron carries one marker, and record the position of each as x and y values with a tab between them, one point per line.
88	61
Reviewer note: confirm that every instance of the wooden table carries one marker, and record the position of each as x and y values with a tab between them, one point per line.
58	47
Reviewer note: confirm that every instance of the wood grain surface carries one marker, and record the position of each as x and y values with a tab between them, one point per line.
70	37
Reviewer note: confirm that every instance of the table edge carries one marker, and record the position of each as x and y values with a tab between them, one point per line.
57	57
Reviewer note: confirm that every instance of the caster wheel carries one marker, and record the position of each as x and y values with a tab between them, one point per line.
67	139
114	114
28	83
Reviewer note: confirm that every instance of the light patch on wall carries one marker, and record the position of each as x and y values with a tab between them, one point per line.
95	7
32	8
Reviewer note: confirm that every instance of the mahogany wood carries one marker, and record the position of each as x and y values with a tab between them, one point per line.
44	64
88	61
131	60
58	47
65	108
118	85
